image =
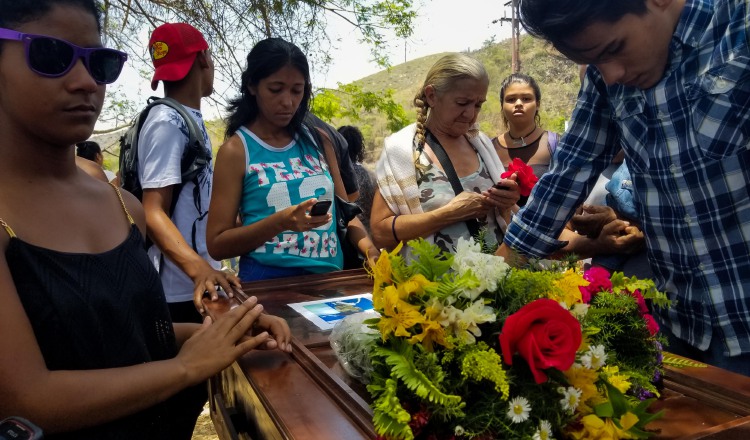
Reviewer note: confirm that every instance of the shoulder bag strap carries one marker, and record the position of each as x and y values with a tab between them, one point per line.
450	172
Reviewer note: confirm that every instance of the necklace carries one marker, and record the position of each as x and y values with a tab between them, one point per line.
520	139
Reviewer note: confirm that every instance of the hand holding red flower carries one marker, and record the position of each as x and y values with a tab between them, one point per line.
526	177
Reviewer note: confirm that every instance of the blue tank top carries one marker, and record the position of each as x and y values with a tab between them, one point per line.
278	178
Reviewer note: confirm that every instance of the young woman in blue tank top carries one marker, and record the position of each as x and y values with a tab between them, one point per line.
88	349
271	172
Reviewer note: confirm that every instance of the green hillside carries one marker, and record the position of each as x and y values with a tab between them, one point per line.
557	77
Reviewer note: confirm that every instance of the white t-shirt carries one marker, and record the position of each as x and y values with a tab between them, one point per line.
161	143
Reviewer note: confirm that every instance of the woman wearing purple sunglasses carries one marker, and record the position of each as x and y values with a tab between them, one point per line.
88	350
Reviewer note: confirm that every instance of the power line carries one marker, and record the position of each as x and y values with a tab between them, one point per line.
515	33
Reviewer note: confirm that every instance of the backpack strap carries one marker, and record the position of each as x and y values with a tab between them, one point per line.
194	158
552	138
195	155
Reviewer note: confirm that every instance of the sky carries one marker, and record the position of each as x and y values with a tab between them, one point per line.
441	26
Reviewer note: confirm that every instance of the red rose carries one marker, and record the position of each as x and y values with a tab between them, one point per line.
526	177
545	334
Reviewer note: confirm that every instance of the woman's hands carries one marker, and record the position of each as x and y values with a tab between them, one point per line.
504	195
278	331
296	218
466	205
216	344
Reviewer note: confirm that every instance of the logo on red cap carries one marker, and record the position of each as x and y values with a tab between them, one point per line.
159	50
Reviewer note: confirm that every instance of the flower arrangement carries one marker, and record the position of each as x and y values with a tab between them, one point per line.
466	347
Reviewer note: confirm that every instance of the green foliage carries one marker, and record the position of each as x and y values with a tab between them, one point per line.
326	105
351	102
402	367
479	362
389	417
619	405
522	288
429	260
645	286
680	362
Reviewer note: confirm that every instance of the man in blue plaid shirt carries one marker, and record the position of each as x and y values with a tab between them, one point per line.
669	82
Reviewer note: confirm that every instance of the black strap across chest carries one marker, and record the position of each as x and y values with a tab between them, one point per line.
450	172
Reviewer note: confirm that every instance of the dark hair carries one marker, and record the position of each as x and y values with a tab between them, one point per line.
559	20
18	12
520	78
356	142
266	58
88	150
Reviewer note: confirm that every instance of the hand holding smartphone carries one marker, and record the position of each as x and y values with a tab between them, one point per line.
498	185
320	208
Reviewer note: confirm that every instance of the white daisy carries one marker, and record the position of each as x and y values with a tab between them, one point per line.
544	432
595	358
571	399
519	409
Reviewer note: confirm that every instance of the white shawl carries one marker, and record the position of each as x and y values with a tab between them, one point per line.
397	175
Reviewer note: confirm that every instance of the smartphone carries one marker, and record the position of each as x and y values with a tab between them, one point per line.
320	208
17	428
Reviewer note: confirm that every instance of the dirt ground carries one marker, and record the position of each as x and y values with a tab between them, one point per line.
204	427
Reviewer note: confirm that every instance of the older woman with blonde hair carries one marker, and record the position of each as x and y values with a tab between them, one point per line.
440	177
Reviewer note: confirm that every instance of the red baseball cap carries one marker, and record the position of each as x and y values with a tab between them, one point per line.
173	48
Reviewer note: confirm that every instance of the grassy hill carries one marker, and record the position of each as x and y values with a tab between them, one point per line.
557	77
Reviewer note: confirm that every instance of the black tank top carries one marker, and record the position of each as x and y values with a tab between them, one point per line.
93	311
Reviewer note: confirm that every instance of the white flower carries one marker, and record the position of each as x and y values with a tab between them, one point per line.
448	316
459	430
465	250
466	323
579	310
571	398
595	358
518	409
433	308
544	432
487	269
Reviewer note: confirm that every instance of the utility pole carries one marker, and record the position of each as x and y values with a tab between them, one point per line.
515	33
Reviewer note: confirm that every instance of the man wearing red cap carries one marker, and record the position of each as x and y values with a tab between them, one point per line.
183	63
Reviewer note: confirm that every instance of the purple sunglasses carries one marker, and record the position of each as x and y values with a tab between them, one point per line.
53	57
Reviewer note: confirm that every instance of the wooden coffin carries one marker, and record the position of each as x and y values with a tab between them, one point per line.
306	395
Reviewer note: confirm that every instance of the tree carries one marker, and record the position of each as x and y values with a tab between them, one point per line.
232	27
328	104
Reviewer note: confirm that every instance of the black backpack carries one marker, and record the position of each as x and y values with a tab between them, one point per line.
194	159
345	211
